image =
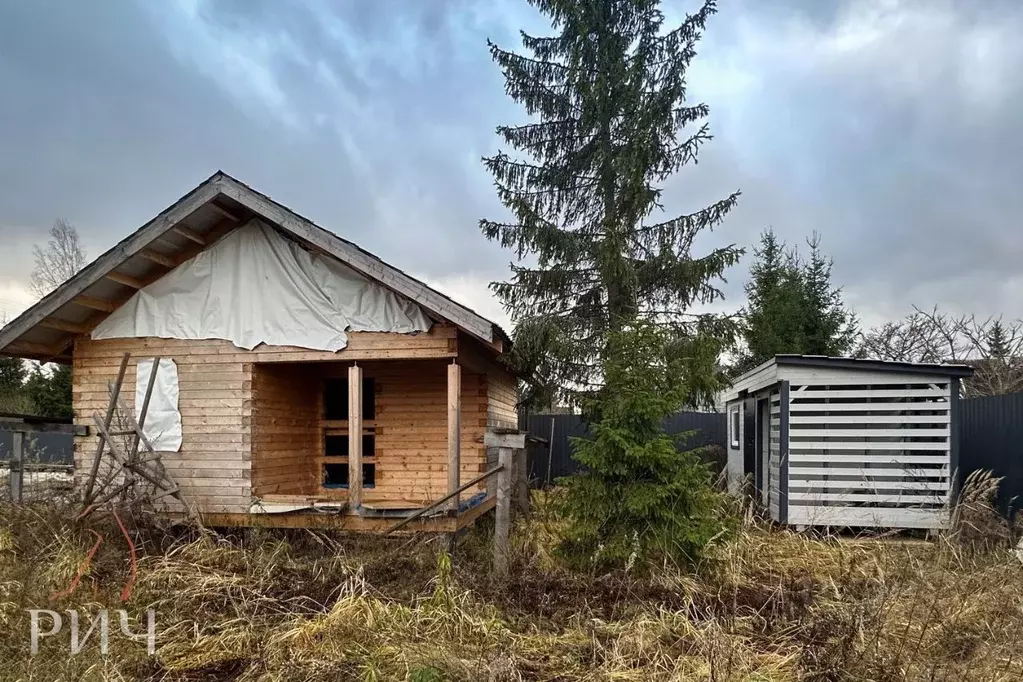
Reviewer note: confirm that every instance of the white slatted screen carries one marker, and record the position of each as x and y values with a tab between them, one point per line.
868	455
774	455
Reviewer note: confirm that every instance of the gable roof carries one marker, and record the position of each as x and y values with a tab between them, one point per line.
183	230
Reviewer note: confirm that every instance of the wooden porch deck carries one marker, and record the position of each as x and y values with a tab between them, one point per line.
345	520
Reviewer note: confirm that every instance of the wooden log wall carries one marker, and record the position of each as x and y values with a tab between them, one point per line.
287	411
411	429
213	466
501	384
502	398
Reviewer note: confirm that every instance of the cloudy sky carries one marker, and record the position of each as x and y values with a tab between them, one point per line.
890	126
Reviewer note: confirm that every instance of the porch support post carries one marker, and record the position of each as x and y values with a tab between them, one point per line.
510	444
354	437
17	470
454	431
502	517
955	476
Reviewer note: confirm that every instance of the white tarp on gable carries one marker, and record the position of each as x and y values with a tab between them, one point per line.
163	420
255	286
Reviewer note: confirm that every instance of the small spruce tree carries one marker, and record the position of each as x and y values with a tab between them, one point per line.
774	315
829	328
640	500
997	341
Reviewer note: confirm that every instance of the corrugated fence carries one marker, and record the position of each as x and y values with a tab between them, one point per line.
548	462
991	437
47	448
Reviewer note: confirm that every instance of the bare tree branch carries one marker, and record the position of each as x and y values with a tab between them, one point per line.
59	261
992	347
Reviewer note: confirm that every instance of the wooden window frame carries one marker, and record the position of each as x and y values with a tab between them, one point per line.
339	427
734	426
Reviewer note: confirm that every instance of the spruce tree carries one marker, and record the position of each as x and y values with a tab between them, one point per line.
997	341
611	122
793	306
774	316
641	500
50	393
828	327
12	374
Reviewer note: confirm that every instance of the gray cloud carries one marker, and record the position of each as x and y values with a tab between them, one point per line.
891	127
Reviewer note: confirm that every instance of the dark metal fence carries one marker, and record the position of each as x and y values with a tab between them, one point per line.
47	448
552	459
991	438
36	457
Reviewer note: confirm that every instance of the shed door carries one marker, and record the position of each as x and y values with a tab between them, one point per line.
764	449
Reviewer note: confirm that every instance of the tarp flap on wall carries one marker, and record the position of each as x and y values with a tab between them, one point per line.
255	286
163	420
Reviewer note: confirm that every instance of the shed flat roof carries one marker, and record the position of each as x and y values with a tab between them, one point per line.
874	365
772	371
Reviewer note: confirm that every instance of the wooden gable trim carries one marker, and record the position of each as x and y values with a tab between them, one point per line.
137	244
360	260
105	265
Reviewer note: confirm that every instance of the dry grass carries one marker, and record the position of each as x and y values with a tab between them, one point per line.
771	605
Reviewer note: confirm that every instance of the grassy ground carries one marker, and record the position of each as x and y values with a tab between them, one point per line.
770	605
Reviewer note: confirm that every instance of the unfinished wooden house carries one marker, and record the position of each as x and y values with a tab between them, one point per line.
841	442
302	380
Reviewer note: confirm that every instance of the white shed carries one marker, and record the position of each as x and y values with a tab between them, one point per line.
845	442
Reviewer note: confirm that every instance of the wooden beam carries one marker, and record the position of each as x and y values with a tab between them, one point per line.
224	212
94	302
115	390
454	431
124	279
354	437
189	233
30	348
157	257
42	426
425	510
314	519
64	325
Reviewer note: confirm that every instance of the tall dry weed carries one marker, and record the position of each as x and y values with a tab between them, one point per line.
770	605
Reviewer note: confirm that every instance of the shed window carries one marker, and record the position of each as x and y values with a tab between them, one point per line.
733	426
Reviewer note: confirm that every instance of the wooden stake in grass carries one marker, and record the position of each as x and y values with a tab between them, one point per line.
507	442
